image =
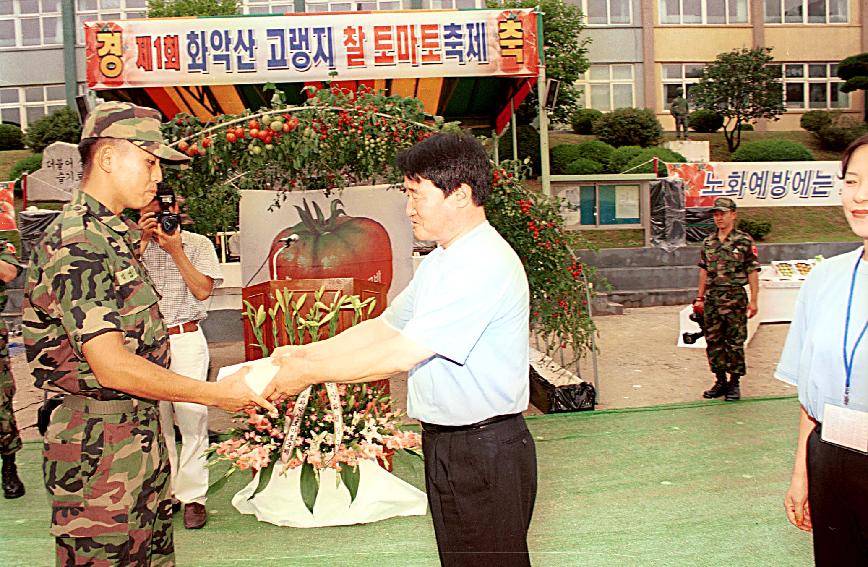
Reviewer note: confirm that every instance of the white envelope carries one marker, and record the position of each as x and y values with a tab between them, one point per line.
260	375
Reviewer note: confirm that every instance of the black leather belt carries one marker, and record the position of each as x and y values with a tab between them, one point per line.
434	428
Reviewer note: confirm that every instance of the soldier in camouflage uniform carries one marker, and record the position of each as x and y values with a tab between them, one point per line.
10	441
728	262
92	328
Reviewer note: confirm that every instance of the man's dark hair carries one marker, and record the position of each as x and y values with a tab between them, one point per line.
447	161
87	149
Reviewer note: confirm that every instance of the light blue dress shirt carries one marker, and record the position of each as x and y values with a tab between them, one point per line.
812	358
469	304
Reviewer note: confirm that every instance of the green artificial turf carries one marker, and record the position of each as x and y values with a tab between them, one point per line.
691	484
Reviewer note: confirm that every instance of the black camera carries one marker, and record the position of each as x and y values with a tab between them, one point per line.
169	221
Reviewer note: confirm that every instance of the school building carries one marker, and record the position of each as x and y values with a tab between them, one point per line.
641	50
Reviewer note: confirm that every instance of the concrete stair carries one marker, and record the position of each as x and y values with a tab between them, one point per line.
646	277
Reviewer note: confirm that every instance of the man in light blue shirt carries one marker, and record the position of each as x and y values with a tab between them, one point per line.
461	330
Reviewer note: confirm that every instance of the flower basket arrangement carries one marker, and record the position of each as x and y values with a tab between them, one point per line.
330	431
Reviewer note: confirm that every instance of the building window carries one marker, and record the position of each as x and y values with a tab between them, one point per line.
605	12
710	12
812	86
806	11
355	6
606	87
267	7
30	23
456	4
679	76
25	105
106	10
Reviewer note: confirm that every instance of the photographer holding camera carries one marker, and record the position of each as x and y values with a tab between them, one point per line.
184	269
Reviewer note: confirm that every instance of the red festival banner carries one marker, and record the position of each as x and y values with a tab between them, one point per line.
311	47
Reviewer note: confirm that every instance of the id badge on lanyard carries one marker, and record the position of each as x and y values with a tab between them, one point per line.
847	425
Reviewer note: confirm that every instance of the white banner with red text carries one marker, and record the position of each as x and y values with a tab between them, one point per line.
311	47
761	184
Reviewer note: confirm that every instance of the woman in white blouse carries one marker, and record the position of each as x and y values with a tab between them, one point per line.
826	356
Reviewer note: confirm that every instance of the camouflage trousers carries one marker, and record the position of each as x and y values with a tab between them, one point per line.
726	329
10	441
107	478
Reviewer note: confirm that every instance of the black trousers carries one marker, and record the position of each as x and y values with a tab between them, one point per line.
481	488
838	498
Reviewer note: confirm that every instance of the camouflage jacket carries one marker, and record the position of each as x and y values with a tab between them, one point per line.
85	280
728	263
7	254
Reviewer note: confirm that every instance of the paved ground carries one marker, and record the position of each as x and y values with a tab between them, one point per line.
639	365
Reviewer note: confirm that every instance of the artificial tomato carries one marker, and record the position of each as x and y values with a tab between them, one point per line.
338	247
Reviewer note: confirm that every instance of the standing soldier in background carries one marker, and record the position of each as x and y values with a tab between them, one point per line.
728	262
10	441
92	327
680	111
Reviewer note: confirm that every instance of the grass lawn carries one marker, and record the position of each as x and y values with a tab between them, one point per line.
8	159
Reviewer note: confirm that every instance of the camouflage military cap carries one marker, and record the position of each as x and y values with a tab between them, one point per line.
723	204
138	124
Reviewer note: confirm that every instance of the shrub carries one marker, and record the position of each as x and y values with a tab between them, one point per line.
648	154
837	138
59	126
815	120
11	137
596	150
562	155
28	164
584	166
583	119
772	150
758	229
528	146
745	127
629	127
705	121
621	157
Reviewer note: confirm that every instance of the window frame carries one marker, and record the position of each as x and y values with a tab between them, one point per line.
703	14
805	16
683	81
17	17
585	84
806	81
609	23
44	104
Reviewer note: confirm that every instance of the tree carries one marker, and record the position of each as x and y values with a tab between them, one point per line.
566	53
178	8
854	70
742	86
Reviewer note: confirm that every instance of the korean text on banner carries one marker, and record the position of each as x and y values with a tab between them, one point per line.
302	48
761	184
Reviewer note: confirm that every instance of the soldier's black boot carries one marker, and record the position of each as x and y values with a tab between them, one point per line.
719	387
733	391
12	485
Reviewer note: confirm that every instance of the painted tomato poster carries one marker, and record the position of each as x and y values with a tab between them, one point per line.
360	232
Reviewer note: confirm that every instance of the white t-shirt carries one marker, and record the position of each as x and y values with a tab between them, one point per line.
813	357
469	304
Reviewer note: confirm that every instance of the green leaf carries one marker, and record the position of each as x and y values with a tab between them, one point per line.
309	486
264	478
218	484
350	477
